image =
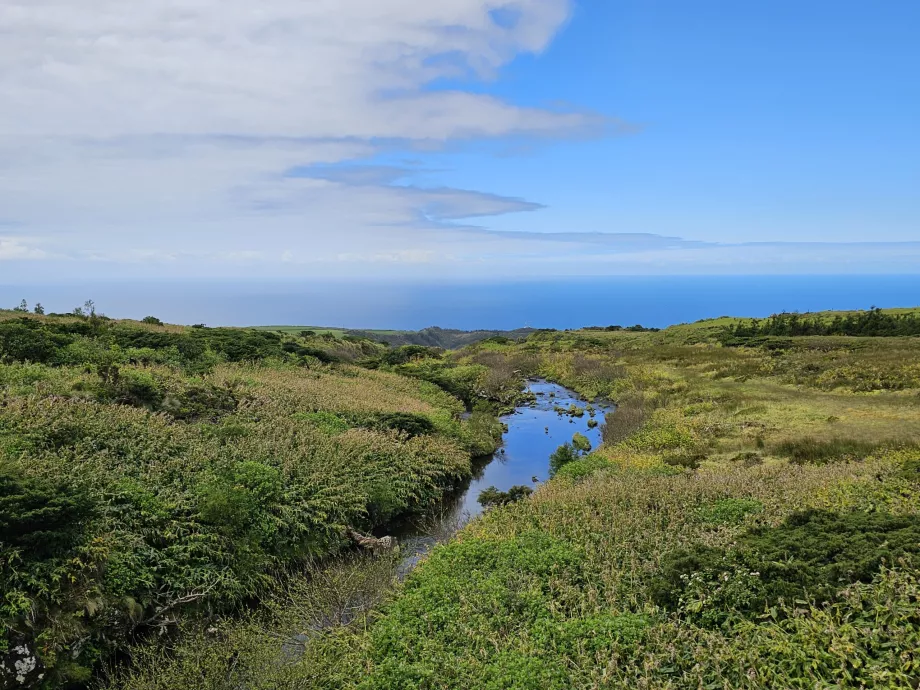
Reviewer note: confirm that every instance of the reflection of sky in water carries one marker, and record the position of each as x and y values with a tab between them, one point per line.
534	432
528	445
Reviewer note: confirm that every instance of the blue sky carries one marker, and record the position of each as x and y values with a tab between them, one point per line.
392	139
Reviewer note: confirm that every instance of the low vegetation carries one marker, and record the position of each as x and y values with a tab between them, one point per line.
751	519
152	474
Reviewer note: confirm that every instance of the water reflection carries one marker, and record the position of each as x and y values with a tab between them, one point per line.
534	432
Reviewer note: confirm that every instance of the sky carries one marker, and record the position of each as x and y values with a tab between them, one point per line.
459	139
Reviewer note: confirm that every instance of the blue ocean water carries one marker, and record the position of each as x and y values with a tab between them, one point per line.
553	303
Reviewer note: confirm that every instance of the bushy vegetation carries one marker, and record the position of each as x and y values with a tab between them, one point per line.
751	519
811	557
491	496
151	475
873	322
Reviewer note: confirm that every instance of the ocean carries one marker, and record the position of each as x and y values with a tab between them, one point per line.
553	303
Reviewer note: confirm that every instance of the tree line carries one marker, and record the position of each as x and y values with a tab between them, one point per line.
873	322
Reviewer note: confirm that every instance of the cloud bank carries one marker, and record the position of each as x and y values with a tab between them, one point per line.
226	137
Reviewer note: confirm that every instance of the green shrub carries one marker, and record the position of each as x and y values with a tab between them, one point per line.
748	458
729	510
561	457
910	470
581	443
811	556
687	459
38	517
327	421
410	424
493	497
820	452
26	341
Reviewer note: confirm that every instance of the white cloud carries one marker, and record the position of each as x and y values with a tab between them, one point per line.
17	249
316	68
156	129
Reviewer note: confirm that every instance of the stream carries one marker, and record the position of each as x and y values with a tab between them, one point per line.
535	430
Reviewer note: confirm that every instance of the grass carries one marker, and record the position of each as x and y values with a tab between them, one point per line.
148	480
706	469
712	450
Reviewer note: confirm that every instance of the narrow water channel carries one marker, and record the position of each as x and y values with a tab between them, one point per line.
534	431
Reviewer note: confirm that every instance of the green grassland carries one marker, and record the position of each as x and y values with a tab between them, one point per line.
751	520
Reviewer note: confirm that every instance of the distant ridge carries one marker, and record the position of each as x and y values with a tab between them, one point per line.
447	338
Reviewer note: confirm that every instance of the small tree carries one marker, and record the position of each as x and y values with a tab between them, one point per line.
152	320
562	456
39	309
23	306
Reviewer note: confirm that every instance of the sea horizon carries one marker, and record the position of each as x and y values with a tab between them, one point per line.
652	301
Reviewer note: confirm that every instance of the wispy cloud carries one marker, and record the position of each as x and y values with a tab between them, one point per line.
153	128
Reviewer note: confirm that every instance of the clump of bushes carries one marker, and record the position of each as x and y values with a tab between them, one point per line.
491	496
729	510
409	424
581	443
39	518
562	456
812	556
819	452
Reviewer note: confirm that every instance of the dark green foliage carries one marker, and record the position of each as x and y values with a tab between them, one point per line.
152	320
812	556
307	351
493	497
638	328
581	443
40	518
874	322
26	341
204	402
819	452
410	424
240	501
910	470
435	337
749	458
407	353
688	460
729	511
561	457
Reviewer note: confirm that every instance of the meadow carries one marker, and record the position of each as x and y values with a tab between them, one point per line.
751	520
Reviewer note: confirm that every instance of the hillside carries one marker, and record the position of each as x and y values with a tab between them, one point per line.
447	338
186	498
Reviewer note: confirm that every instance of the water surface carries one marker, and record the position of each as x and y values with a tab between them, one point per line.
534	431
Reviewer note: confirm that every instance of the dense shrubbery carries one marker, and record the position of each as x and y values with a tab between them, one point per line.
811	557
491	496
150	472
560	591
874	323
